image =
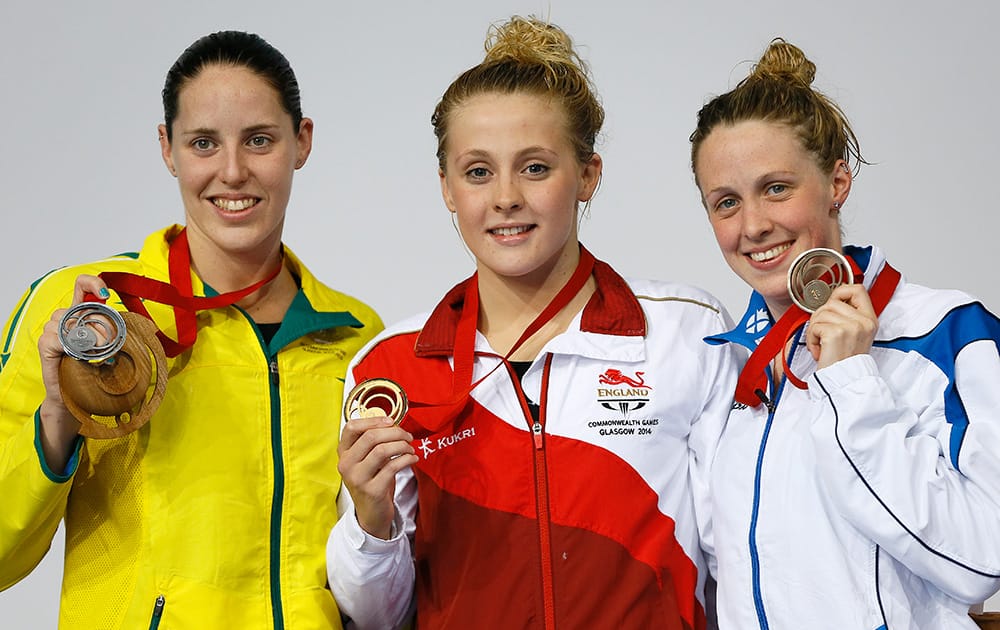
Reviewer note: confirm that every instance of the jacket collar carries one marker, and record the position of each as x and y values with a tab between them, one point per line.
612	310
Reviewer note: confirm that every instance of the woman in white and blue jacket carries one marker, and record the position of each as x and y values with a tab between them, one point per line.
871	498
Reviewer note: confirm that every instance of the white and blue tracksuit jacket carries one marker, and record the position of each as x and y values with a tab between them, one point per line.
872	499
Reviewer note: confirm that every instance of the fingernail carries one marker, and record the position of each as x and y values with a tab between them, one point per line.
104	293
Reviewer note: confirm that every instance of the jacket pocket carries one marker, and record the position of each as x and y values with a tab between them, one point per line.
154	621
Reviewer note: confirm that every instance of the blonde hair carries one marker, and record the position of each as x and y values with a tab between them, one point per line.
527	55
779	89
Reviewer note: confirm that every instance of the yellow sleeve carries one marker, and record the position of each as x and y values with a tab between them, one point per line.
34	497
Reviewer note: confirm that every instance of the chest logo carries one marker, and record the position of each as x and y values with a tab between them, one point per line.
431	445
616	377
621	392
757	322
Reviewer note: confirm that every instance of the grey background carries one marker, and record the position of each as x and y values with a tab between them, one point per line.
82	178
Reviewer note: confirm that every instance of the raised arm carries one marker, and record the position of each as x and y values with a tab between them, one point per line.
39	441
909	448
369	562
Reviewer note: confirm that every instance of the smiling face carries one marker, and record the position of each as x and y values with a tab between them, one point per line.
513	180
233	150
768	201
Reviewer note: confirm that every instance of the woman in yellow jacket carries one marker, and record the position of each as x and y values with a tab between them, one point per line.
215	513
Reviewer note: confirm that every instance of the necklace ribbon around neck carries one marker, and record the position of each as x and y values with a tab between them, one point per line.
434	416
133	289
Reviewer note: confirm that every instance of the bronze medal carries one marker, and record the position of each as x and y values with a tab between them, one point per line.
813	276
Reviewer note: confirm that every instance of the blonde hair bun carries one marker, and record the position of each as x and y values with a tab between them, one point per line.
528	56
785	61
530	41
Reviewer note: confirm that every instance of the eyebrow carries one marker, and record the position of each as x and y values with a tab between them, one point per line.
536	149
766	177
207	131
472	154
776	175
716	191
481	154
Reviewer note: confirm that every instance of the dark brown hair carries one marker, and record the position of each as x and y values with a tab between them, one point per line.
234	48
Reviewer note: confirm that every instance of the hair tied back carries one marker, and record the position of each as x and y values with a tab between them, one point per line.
784	61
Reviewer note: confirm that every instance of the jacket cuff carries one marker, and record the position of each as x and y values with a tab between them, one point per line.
842	374
363	541
71	465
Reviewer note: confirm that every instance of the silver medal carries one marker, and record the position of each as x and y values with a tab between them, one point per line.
91	331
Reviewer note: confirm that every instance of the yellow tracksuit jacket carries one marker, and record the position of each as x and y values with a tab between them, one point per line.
217	512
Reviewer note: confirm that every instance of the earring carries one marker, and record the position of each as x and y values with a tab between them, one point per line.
836	205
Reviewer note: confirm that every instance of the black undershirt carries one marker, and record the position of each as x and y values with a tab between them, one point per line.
267	331
520	368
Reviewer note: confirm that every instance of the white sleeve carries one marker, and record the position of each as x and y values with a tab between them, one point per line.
922	483
372	579
721	374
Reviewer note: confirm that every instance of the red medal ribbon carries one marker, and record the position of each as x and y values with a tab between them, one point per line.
752	383
133	289
434	416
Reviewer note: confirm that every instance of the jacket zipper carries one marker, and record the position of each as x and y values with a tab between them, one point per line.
542	497
758	601
154	621
772	408
277	497
278	491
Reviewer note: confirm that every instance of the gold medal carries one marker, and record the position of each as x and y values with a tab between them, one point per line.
376	397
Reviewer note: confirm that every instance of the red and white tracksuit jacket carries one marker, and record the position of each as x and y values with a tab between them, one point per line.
585	518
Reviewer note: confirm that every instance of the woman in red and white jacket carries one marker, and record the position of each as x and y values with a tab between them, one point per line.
562	419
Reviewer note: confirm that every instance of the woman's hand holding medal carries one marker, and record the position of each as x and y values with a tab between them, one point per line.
373	448
843	327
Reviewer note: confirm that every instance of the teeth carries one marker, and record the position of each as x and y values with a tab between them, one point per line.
234	205
769	254
510	231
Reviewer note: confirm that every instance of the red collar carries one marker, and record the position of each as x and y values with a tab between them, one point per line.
612	310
